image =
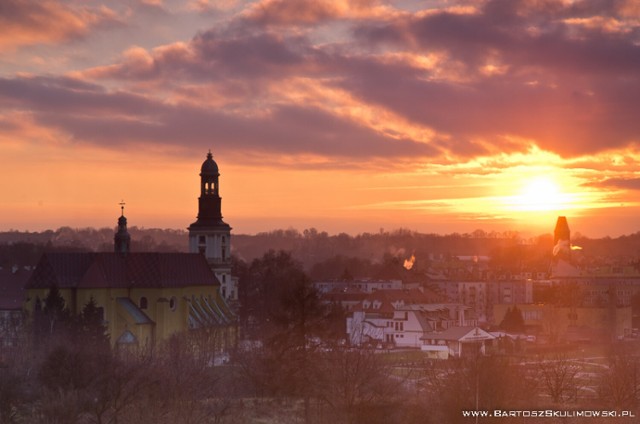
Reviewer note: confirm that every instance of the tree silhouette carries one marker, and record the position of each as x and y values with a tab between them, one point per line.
513	320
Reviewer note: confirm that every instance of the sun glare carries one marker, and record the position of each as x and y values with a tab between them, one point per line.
539	194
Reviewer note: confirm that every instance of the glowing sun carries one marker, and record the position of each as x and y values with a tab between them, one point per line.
540	194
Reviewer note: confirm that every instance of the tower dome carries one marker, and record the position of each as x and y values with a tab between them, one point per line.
209	166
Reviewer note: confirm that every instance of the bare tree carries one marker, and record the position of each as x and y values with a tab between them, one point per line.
358	385
619	385
558	375
477	382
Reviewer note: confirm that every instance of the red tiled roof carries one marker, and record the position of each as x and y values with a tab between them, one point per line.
115	270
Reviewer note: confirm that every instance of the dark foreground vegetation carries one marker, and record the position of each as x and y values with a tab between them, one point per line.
291	365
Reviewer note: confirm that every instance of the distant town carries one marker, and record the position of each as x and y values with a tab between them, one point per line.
149	325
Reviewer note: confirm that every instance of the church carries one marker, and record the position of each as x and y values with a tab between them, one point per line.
146	297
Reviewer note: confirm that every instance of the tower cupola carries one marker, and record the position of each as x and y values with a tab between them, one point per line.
209	202
209	177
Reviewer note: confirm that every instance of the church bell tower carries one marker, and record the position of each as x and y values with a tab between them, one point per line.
210	235
122	239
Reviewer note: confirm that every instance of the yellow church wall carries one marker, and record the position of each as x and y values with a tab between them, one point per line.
167	320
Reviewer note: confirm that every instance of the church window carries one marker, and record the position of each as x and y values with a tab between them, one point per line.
224	278
172	303
144	304
202	239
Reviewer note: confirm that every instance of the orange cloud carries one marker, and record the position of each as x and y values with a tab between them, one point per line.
278	12
28	22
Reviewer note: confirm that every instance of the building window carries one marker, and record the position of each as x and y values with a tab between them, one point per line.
224	278
202	239
144	304
172	303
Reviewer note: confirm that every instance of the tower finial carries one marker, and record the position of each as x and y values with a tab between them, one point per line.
122	207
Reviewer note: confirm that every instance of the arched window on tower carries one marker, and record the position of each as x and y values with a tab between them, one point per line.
144	304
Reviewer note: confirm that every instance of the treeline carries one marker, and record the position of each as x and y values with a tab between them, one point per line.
367	252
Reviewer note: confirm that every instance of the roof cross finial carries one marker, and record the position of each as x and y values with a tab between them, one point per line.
122	206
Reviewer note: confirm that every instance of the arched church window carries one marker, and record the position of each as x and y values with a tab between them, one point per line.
144	304
172	303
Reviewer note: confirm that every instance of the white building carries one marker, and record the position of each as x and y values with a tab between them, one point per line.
456	342
402	318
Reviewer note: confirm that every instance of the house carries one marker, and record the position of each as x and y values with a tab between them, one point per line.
481	296
456	342
400	318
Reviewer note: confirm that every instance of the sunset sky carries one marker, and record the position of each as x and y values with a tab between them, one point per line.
436	116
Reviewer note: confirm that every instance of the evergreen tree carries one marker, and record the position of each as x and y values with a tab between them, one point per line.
91	329
513	320
54	319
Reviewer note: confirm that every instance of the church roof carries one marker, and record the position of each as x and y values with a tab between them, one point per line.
116	270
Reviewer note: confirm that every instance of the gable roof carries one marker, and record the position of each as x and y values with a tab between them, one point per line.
115	270
458	333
